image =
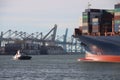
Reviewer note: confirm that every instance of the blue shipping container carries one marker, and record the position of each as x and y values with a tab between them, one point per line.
117	27
95	23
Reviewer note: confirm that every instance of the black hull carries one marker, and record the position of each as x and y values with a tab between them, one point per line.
24	58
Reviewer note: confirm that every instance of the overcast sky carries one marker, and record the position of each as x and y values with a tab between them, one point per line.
41	15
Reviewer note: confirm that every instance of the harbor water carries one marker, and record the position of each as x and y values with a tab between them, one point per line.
56	67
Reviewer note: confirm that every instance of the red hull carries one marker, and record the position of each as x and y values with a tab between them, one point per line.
100	58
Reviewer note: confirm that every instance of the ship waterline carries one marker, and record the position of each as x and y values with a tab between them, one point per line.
100	58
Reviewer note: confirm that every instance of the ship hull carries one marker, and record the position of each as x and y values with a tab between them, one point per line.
22	58
109	45
100	48
89	57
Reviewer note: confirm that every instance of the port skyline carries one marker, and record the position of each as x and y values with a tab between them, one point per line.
40	16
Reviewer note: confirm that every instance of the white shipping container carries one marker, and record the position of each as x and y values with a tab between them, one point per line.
84	31
94	19
117	13
85	24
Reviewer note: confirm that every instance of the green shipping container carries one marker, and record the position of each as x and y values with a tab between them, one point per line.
110	11
117	21
117	10
85	17
85	20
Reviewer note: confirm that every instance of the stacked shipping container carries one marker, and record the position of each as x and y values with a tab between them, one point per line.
90	23
106	21
117	17
95	25
85	28
95	17
97	21
101	21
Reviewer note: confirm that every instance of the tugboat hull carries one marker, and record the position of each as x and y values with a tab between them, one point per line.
24	58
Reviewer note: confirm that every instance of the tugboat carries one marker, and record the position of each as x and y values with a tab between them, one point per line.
21	56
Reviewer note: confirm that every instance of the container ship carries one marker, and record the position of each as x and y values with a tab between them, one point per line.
100	34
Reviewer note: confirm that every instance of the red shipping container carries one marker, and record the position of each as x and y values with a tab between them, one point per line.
117	17
95	28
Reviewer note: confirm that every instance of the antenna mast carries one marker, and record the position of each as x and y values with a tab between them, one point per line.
89	5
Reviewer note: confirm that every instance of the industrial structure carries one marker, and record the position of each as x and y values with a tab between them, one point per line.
37	43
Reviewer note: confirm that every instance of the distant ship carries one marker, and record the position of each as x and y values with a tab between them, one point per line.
21	56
